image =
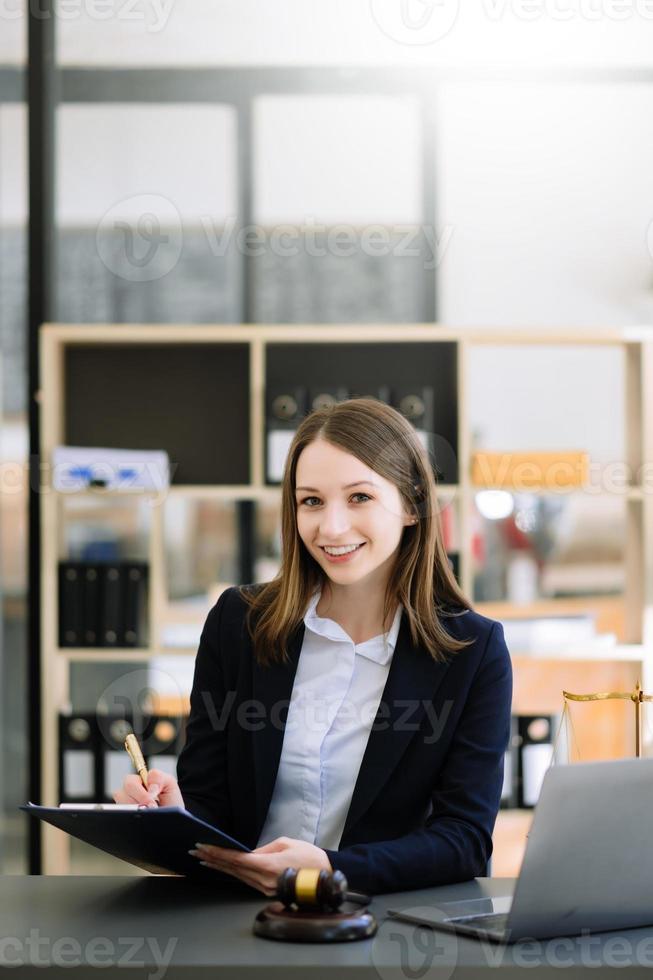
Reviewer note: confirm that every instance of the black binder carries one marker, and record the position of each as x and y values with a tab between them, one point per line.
111	629
323	397
156	839
135	604
535	740
71	605
418	406
162	742
382	394
103	604
510	789
285	410
114	762
92	597
92	757
78	758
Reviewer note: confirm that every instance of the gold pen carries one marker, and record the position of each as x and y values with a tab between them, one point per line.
135	754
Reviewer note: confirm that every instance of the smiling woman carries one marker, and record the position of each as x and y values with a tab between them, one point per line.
356	527
354	712
357	475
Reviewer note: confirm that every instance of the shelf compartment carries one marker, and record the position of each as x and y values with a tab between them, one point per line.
547	546
361	369
191	400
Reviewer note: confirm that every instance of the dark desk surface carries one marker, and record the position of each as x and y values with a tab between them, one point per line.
173	928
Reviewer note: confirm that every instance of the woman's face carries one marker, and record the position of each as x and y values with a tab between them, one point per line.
346	507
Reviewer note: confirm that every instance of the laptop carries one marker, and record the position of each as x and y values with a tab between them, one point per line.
588	864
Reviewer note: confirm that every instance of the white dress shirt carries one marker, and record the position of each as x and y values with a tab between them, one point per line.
335	697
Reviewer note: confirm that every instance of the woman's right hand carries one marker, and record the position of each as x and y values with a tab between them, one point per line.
162	790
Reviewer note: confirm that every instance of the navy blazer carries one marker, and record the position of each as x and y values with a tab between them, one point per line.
429	786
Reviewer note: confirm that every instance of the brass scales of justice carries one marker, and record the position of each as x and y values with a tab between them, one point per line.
637	697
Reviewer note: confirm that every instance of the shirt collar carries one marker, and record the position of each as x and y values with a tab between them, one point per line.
378	648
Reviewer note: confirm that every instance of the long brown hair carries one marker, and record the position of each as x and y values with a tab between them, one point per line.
421	580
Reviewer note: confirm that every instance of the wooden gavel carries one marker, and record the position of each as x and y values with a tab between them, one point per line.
315	888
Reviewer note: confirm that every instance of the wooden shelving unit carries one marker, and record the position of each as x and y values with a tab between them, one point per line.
537	677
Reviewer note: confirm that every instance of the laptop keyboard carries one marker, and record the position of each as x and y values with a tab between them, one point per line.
494	921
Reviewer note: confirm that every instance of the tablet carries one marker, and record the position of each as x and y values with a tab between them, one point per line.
156	839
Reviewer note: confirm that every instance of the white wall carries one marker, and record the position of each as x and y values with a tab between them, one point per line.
548	191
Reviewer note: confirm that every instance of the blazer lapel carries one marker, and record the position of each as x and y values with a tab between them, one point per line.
272	687
413	678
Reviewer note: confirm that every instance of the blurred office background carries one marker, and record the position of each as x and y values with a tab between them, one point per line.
538	147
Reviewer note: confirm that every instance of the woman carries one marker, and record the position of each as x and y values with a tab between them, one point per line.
353	713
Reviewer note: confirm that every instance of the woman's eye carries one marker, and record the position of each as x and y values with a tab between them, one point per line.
307	500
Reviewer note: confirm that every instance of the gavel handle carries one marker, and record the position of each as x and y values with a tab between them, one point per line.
358	898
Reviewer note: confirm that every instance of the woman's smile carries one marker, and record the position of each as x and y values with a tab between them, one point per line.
342	553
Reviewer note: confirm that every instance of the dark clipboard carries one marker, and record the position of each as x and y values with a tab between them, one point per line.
156	839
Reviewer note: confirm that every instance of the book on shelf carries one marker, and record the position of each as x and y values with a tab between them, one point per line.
529	754
102	604
71	604
418	406
535	742
285	409
92	757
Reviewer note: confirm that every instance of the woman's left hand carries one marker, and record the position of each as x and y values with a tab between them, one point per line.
261	867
